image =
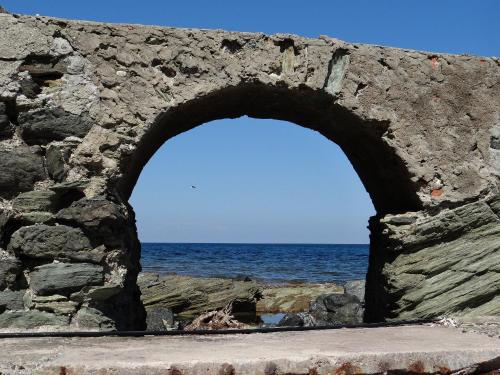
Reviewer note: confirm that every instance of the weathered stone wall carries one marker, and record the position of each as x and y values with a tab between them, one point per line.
83	106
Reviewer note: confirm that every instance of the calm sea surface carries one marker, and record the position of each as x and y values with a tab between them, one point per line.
271	263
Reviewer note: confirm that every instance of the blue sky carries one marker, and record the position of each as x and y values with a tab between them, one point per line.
265	180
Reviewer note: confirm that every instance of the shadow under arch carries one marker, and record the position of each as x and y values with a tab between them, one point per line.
381	171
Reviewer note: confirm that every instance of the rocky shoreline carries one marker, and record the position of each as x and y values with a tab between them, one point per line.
185	302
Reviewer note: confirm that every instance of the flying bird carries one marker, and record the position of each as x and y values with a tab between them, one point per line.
193	187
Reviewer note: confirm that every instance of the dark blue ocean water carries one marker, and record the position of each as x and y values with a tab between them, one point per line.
272	263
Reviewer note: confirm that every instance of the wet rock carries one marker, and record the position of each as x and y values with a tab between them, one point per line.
160	319
58	242
337	309
88	318
52	124
356	288
20	168
11	300
64	278
31	319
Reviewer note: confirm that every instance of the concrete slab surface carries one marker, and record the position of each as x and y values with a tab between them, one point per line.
419	349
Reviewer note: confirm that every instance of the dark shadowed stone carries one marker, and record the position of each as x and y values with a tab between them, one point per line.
291	320
12	300
9	269
69	187
64	277
55	163
54	242
337	309
302	319
42	200
159	319
92	319
92	212
52	124
356	288
29	88
101	218
31	319
20	168
5	215
5	125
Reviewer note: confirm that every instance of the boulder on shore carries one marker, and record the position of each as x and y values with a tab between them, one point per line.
293	298
331	309
190	297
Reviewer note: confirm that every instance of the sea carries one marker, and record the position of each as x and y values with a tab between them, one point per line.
268	263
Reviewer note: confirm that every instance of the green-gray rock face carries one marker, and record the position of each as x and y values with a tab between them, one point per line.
43	200
90	319
189	297
31	319
11	300
9	269
54	243
444	264
64	278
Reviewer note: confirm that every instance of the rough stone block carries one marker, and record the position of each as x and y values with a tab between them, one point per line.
88	318
9	269
54	242
64	278
38	200
12	300
20	168
31	319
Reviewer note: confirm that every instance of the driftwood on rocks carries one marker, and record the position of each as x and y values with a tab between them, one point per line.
214	320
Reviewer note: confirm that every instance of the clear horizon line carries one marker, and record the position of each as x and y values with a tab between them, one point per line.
251	243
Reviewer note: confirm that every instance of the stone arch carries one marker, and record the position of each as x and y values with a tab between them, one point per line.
83	106
381	170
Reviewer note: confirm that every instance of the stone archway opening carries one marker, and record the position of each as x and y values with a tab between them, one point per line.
364	143
277	217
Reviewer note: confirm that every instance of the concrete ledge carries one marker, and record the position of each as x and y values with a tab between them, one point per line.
420	349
